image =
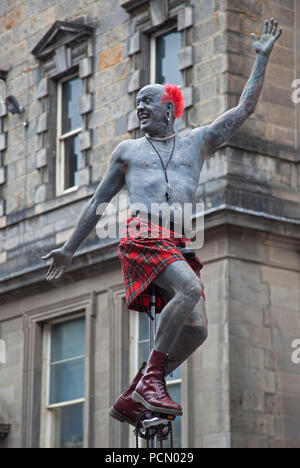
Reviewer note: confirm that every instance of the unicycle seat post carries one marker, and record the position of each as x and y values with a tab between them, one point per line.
152	333
152	315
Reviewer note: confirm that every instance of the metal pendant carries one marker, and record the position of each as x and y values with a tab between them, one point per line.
168	192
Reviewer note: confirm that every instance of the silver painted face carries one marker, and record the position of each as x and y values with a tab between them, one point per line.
150	110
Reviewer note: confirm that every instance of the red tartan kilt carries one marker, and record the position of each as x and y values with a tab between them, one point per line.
145	250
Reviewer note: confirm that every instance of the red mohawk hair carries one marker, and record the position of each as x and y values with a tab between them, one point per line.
174	95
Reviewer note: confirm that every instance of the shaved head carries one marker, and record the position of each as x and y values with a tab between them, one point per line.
155	88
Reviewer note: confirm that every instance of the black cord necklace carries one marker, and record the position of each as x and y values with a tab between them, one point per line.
169	188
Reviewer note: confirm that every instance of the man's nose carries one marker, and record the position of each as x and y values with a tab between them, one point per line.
140	106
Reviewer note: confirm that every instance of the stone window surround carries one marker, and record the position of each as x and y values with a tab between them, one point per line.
159	15
47	421
60	59
32	363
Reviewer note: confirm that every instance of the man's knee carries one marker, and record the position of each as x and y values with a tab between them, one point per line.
193	291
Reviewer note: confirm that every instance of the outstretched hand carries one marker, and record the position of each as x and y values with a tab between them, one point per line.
270	35
60	262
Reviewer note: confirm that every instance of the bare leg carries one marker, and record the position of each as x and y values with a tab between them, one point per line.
185	290
192	336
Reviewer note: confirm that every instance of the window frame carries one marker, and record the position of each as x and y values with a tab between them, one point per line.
60	138
47	417
34	320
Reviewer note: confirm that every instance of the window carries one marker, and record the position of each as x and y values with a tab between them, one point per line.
164	58
68	128
164	61
63	386
139	352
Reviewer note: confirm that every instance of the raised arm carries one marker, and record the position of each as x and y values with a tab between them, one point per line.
222	129
111	184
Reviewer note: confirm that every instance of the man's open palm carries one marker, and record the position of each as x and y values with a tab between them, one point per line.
60	262
270	35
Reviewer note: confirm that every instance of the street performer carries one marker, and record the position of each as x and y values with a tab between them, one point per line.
161	168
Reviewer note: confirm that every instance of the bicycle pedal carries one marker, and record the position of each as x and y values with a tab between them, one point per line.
154	422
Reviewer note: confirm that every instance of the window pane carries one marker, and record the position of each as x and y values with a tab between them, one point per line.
143	352
71	93
67	381
72	161
167	48
143	327
69	426
175	393
68	339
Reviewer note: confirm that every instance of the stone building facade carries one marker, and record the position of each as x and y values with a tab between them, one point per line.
242	388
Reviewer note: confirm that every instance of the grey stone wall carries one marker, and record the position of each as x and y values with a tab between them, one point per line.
264	321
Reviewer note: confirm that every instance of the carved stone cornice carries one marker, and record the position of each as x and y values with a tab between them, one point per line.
131	5
156	5
61	34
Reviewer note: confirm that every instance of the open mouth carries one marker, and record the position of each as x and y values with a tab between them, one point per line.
144	117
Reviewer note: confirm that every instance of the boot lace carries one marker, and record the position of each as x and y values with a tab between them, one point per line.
171	362
162	381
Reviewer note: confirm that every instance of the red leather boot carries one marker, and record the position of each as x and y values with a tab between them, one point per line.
125	409
151	391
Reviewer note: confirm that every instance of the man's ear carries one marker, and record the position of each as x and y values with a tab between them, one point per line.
170	109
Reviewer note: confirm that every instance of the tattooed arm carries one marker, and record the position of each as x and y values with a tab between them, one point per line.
225	126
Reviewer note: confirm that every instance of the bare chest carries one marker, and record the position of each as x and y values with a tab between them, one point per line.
153	172
173	159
